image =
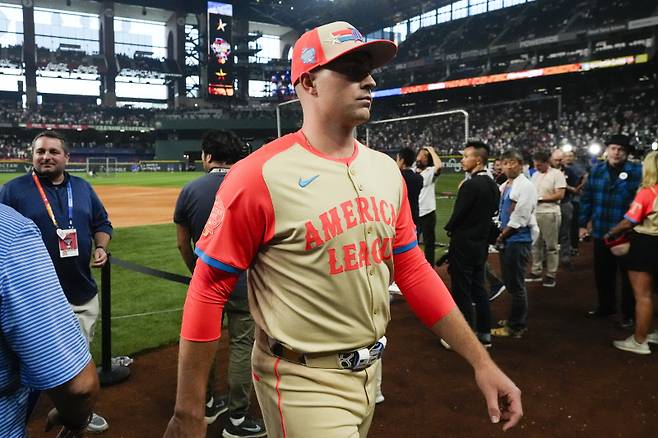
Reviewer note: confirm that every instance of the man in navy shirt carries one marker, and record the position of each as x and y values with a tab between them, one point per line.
220	149
73	224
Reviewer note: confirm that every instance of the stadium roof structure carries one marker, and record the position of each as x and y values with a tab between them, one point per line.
152	10
366	15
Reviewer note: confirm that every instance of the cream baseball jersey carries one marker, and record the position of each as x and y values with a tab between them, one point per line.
318	236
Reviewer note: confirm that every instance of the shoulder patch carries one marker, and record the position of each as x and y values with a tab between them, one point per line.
216	217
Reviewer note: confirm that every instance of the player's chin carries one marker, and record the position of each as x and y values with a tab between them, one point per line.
361	115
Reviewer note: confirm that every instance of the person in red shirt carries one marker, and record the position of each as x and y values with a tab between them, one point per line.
642	258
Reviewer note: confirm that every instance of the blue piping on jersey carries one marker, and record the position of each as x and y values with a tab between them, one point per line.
216	263
405	248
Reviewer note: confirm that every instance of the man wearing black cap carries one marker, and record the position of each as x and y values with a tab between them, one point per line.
607	195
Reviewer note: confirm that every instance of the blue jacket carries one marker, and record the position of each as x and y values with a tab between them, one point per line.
603	201
89	217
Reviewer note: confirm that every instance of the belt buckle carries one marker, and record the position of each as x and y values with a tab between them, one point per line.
362	358
355	360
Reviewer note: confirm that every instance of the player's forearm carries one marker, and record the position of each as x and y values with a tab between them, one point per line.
194	362
456	332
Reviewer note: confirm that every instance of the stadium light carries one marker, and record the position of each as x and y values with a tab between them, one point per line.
595	149
654	146
567	147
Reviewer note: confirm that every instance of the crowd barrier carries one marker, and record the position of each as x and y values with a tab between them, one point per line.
112	373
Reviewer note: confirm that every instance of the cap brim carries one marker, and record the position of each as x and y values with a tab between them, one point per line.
380	51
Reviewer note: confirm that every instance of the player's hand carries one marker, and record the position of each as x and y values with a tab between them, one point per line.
503	397
53	420
100	258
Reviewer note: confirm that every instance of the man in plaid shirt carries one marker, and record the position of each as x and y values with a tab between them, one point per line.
607	195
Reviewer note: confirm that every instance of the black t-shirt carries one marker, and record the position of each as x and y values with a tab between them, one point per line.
414	184
193	207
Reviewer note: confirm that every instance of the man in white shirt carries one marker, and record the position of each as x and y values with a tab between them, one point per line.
518	202
428	165
550	185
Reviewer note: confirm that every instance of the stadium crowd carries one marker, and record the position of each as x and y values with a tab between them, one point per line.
528	125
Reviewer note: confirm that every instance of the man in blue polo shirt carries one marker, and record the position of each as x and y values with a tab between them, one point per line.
41	347
71	219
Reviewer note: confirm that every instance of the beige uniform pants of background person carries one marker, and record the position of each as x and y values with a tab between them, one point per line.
87	314
303	402
546	246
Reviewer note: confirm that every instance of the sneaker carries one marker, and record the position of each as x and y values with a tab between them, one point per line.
215	407
97	424
549	282
394	289
507	332
533	278
630	344
495	293
379	398
652	338
247	428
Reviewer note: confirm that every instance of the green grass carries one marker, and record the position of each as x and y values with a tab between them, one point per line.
141	179
155	246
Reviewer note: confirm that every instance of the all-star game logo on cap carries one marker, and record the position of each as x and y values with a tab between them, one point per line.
308	56
349	34
321	45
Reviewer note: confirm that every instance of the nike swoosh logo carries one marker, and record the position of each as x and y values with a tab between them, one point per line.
252	429
303	182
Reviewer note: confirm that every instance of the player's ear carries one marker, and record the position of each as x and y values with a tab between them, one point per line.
307	83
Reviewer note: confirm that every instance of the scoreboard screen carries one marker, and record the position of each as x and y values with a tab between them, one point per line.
220	50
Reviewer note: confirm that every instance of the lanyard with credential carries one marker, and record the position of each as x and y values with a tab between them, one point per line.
46	203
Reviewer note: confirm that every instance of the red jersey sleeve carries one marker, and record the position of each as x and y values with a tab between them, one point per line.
241	220
641	206
422	287
202	315
405	230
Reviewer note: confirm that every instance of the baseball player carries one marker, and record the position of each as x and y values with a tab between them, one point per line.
323	224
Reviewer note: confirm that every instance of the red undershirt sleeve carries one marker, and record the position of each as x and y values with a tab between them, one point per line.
422	287
208	292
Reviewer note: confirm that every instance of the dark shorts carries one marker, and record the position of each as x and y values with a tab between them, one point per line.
643	254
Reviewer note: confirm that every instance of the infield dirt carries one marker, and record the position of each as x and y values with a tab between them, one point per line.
130	206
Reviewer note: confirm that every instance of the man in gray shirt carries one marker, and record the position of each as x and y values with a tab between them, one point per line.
220	149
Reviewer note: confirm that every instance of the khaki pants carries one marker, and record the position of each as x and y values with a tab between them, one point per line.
301	402
87	314
546	246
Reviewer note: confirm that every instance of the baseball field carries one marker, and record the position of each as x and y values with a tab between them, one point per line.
574	383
